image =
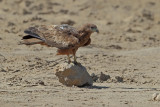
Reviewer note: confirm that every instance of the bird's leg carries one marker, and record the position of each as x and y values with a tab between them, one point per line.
69	60
74	55
75	59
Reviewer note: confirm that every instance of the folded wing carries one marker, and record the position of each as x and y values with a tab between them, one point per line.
62	36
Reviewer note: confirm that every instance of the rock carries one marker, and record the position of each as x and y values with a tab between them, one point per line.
2	70
100	77
134	30
40	82
69	22
130	39
154	96
73	75
104	77
119	79
158	97
115	47
148	14
94	77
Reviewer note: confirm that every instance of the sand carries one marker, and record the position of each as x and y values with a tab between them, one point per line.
127	46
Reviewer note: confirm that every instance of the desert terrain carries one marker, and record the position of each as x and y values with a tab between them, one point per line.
127	48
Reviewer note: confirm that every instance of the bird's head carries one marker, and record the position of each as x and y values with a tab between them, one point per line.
91	28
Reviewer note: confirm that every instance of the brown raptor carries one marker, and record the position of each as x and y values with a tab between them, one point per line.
65	37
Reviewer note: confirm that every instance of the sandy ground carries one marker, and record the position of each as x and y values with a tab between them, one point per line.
128	46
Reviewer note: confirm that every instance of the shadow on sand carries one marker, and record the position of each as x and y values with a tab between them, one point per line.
95	87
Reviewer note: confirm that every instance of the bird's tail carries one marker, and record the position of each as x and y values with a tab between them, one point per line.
30	40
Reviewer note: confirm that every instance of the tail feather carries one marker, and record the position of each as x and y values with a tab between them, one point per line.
30	40
27	37
32	32
32	37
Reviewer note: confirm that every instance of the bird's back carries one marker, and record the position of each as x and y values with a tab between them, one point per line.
60	36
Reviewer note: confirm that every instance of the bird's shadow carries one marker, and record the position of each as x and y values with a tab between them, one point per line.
125	88
94	87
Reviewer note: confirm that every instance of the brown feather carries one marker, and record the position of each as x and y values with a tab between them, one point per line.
66	38
63	36
31	41
88	42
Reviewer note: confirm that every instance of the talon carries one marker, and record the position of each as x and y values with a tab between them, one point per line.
69	60
75	62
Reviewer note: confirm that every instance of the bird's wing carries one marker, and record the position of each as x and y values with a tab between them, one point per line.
88	42
62	36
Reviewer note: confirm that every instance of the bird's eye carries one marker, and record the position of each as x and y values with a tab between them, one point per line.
92	27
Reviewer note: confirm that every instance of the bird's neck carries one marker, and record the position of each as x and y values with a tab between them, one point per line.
83	32
84	36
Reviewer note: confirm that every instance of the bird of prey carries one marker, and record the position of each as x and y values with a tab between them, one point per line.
64	37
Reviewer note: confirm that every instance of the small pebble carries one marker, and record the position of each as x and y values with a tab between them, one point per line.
119	79
158	97
104	77
154	96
